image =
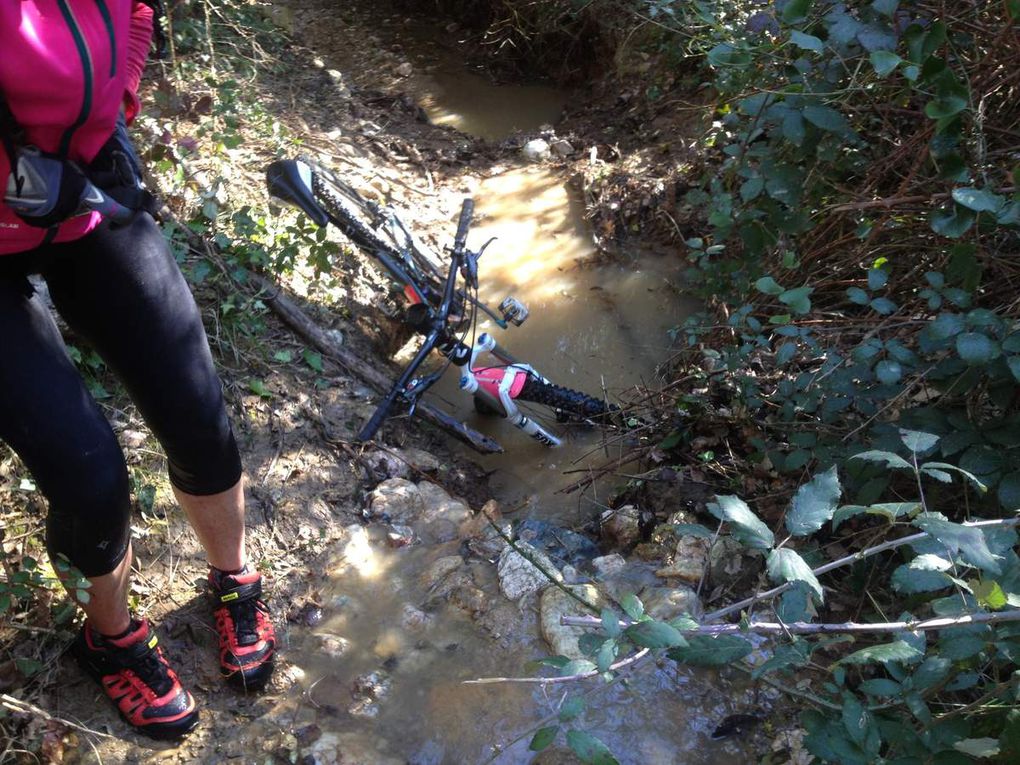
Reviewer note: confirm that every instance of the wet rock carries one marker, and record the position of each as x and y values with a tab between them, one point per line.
665	603
308	613
397	499
291	674
572	576
607	565
440	570
405	69
400	463
400	536
561	148
469	599
651	551
563	546
439	505
556	603
414	619
536	150
690	560
369	692
726	560
332	646
307	734
519	576
621	527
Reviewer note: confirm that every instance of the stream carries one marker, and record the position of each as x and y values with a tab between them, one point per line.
383	672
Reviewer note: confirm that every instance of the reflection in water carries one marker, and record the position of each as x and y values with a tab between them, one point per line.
592	328
472	104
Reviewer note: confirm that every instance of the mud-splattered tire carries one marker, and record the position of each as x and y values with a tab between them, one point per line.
569	405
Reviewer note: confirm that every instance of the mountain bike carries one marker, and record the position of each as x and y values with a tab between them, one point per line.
436	307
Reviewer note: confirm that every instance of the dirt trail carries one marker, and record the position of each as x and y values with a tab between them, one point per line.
308	497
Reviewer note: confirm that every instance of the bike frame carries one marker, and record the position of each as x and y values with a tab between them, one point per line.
495	385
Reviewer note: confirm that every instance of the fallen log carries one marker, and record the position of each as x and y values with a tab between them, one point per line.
292	315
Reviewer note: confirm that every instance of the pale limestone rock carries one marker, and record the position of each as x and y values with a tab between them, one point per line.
607	565
398	499
536	150
690	560
556	603
518	576
665	603
621	527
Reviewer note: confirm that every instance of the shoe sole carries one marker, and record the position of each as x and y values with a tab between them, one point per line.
168	731
250	680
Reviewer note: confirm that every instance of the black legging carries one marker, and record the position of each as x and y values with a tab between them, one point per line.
120	289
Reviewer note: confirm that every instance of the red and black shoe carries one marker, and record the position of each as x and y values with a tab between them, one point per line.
247	640
138	680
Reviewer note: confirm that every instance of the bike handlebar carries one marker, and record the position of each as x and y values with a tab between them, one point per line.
439	329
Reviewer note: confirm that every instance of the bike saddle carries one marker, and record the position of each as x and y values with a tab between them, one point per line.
290	180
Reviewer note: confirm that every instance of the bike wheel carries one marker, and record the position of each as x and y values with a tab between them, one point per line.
372	226
568	405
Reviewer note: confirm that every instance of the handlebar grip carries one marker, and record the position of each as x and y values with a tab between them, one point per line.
466	211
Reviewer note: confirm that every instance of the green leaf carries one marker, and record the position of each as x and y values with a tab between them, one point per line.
814	503
978	200
577	667
978	484
259	388
611	623
880	687
284	357
797	299
978	747
826	118
989	594
769	286
877	278
883	305
747	528
726	55
632	606
946	325
703	651
954	222
607	655
909	580
889	459
886	7
543	738
918	442
572	708
652	634
785	565
855	719
313	359
589	749
796	10
1009	491
966	540
883	654
977	349
807	42
884	62
888	372
858	296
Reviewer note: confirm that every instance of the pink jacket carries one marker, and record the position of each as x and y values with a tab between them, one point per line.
67	68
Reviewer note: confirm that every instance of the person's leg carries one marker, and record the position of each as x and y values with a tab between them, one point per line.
48	417
123	291
218	520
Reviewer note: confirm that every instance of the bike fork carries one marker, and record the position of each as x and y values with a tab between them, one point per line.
499	386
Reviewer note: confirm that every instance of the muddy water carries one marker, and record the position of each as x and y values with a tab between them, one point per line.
592	327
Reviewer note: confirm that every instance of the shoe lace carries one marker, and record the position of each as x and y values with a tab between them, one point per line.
244	615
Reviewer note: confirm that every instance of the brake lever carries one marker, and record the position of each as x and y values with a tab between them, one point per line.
417	387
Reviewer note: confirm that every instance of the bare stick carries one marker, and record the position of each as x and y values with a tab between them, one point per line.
808	628
23	707
767	595
566	678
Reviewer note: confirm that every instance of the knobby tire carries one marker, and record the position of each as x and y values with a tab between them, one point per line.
568	404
